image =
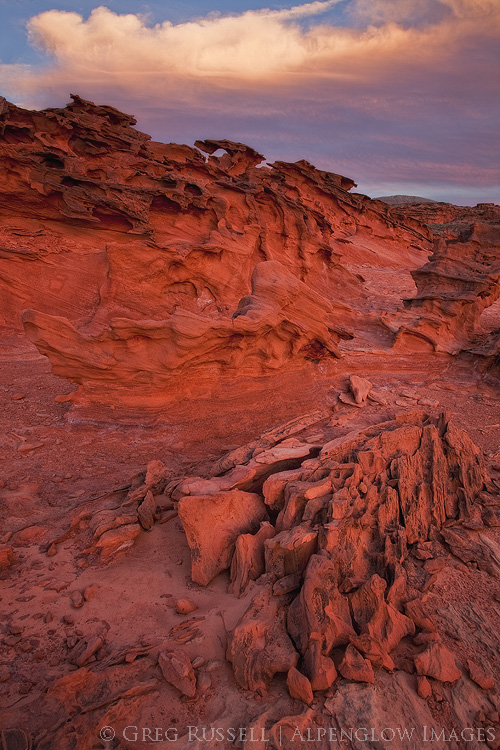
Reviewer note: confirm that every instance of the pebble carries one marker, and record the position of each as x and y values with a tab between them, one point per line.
204	682
4	673
12	640
213	665
90	592
185	606
407	393
77	599
27	447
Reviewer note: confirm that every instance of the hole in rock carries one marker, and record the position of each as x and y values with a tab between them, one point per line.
114	222
193	189
17	135
163	204
285	465
52	161
70	182
86	147
168	182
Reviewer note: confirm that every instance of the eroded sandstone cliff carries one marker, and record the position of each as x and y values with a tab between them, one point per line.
158	261
272	505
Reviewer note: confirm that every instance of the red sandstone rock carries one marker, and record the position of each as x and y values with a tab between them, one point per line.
355	667
207	286
289	552
212	525
423	687
417	611
248	561
374	651
480	676
185	607
299	686
259	646
438	662
360	388
381	621
214	227
6	557
146	512
177	669
318	668
116	540
453	289
84	650
320	609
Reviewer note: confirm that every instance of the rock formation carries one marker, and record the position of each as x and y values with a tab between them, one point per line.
351	599
345	585
270	513
192	265
461	279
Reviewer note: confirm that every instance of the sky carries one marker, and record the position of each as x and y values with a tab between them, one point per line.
403	96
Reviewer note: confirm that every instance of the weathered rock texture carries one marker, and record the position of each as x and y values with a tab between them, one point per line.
170	263
341	587
334	576
459	282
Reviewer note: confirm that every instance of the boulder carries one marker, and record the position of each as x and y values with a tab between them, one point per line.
360	388
259	646
212	524
299	686
320	608
289	551
378	619
319	669
480	676
248	561
177	669
438	662
355	667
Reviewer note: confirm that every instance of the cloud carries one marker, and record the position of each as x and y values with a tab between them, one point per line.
252	46
263	47
422	12
404	78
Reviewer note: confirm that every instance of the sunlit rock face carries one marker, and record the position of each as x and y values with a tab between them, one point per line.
287	520
458	283
139	264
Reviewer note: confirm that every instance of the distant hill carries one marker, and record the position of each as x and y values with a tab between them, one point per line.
394	200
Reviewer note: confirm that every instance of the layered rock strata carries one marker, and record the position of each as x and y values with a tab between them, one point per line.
162	260
340	581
